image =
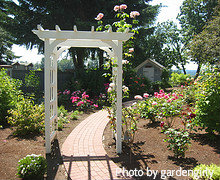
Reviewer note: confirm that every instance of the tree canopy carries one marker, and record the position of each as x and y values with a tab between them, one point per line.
25	16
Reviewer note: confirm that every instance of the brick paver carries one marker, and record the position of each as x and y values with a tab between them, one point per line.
83	153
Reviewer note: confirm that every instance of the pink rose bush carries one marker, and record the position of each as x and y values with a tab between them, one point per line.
78	99
161	106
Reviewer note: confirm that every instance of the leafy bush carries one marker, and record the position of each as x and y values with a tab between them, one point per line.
162	106
179	79
75	114
31	83
178	140
27	117
208	169
32	167
137	84
208	100
9	95
62	119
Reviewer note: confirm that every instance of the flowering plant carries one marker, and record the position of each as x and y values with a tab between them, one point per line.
179	141
32	167
80	100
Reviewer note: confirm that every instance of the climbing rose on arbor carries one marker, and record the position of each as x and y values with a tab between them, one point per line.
123	6
99	16
133	14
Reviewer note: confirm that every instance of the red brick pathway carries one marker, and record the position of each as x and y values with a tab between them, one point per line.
83	153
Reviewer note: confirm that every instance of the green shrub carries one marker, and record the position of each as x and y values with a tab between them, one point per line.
179	79
62	119
178	140
32	167
27	118
210	172
208	103
9	95
75	114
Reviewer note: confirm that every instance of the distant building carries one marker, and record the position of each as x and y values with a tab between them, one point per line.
150	69
22	66
8	69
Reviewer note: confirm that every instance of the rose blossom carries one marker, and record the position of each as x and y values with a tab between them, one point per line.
138	97
125	61
154	103
116	8
146	95
123	6
131	50
99	16
162	124
133	14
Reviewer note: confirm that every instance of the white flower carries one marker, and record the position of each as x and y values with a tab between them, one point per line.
112	85
125	61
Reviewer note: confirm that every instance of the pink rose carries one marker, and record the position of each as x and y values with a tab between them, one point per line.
146	95
133	14
155	94
154	103
68	92
99	16
95	105
123	6
161	91
116	8
138	97
166	97
161	124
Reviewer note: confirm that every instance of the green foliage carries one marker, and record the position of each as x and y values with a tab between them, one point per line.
205	45
208	102
177	79
27	118
62	119
178	140
32	167
74	115
9	95
212	172
165	79
31	80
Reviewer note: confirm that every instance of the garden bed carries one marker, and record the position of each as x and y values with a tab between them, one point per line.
149	152
14	148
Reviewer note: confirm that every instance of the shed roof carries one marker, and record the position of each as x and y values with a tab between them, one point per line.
151	61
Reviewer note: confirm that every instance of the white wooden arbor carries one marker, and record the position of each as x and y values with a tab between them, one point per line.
57	41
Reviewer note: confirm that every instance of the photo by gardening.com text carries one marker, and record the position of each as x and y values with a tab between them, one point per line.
163	174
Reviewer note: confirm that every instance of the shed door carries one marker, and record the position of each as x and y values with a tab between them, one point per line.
149	73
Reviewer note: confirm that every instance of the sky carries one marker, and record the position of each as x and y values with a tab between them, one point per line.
169	11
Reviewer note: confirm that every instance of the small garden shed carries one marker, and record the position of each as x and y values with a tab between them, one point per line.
150	69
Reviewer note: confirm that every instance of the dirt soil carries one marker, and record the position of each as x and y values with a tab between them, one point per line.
149	152
14	148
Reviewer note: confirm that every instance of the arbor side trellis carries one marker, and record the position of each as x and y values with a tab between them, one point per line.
55	42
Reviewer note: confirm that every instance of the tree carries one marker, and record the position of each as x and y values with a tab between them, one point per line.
206	45
28	13
5	38
194	14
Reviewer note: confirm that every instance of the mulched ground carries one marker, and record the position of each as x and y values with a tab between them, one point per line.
149	152
14	148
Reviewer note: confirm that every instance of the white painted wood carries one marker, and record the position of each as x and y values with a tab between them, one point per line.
53	34
66	39
47	95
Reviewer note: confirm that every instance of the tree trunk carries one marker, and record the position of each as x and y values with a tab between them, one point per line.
78	55
101	59
184	70
198	70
